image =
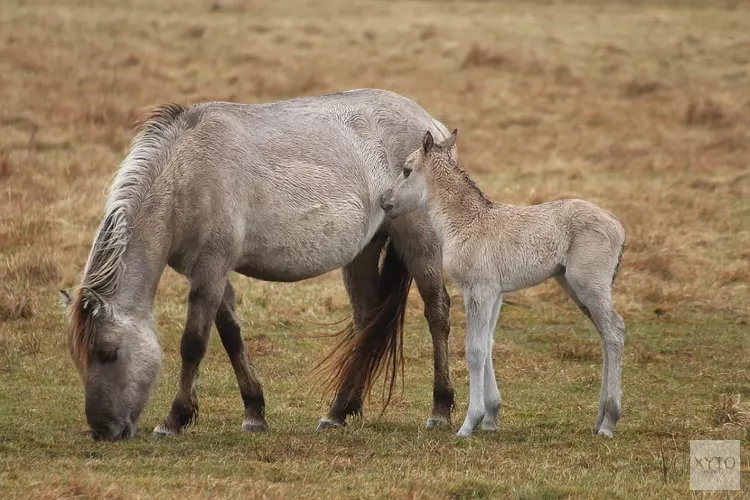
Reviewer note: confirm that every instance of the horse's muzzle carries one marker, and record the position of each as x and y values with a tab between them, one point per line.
112	431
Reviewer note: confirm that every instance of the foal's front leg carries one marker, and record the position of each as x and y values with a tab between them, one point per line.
479	305
203	303
492	400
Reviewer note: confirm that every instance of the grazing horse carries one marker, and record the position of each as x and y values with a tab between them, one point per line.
493	248
281	191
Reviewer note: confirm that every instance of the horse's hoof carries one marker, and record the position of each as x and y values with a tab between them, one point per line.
605	433
162	431
326	424
254	426
435	422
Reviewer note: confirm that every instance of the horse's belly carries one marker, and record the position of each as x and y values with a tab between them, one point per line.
299	246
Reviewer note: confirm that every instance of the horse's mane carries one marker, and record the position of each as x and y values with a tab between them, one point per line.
103	273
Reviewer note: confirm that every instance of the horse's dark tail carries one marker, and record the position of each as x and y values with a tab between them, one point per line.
361	356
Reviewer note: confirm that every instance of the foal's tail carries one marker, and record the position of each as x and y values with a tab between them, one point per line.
360	357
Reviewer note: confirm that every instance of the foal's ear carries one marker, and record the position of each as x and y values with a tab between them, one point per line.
448	143
427	142
65	299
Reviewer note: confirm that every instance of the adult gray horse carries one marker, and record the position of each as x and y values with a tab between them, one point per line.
282	191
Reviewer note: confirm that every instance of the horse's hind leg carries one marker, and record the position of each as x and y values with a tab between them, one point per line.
203	303
251	389
423	257
593	293
361	283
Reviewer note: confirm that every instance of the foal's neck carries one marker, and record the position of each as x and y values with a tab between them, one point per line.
455	201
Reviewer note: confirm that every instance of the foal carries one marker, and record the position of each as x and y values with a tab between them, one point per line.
492	248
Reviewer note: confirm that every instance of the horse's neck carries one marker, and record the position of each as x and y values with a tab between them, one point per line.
143	264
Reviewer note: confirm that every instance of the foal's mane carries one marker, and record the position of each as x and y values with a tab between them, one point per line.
103	273
451	164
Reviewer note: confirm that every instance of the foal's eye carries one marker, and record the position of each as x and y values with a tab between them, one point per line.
407	173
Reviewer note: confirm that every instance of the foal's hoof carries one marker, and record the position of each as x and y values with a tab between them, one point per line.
435	422
463	433
254	426
326	423
162	430
489	426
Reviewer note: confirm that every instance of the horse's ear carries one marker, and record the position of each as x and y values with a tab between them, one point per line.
449	141
65	299
91	302
427	142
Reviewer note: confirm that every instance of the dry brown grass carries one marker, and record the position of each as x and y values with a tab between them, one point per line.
641	108
731	411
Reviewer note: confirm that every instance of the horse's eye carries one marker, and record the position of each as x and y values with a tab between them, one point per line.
407	173
107	356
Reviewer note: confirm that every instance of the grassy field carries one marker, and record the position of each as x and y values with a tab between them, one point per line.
641	107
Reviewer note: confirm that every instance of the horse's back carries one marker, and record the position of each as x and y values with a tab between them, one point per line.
290	188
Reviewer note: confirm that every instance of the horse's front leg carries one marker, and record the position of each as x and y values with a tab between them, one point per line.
479	304
203	303
251	389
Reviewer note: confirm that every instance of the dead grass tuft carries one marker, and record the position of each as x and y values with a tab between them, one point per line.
735	275
32	270
472	488
5	169
479	56
642	355
638	88
194	32
80	487
705	112
730	411
15	307
659	264
571	348
261	345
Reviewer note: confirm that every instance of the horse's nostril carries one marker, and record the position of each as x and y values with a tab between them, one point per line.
387	207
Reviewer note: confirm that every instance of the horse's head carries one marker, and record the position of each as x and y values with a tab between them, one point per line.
118	360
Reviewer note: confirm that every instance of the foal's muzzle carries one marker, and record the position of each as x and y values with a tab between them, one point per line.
386	202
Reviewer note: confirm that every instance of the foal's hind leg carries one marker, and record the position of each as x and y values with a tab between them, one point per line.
203	303
492	400
251	389
592	292
604	372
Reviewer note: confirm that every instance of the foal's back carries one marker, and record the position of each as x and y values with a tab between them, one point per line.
521	246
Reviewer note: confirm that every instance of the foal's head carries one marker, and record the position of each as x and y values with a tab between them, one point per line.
409	191
118	359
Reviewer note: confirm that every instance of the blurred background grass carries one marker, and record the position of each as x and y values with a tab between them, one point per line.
640	107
